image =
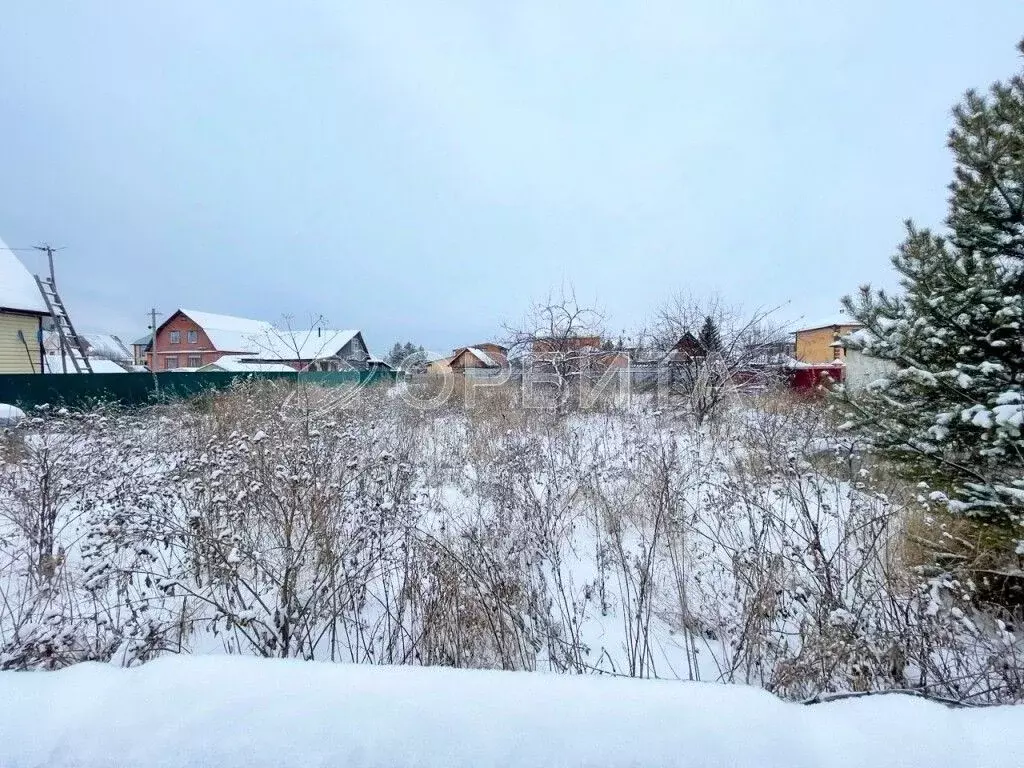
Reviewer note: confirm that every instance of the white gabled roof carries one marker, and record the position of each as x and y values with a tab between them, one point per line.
260	339
102	345
106	345
244	363
314	344
228	333
18	289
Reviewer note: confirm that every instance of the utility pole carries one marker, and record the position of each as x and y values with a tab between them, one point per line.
49	249
152	347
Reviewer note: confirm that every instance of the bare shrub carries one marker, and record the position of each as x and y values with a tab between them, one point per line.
762	548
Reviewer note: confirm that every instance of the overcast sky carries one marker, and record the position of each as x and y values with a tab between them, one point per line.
422	170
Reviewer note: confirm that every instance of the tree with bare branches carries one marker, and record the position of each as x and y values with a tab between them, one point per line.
711	349
558	343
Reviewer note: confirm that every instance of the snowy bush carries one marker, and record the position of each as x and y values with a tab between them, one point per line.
759	549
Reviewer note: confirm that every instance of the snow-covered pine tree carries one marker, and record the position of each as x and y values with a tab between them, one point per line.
953	407
395	355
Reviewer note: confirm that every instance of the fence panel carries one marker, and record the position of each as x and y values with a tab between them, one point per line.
27	390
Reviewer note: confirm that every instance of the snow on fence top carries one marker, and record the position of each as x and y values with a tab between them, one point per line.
235	711
18	289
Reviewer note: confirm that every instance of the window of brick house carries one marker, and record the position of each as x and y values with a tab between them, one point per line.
175	337
171	361
193	337
194	361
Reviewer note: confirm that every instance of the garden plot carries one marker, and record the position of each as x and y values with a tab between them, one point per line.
622	542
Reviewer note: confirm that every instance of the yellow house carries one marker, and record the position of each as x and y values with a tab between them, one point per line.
819	343
21	317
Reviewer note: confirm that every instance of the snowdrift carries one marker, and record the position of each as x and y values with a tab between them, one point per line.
236	711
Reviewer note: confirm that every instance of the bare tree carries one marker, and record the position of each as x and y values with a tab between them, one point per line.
558	343
746	350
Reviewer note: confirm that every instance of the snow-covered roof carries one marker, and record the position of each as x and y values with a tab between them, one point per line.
826	322
10	415
229	333
97	344
244	364
483	357
801	365
52	364
106	345
18	289
314	344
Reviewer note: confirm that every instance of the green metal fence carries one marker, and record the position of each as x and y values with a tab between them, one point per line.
82	390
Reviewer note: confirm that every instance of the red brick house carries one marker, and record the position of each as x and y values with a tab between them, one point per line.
192	339
576	354
549	347
189	340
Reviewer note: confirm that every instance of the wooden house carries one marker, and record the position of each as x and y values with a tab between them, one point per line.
140	349
22	312
820	343
479	359
686	349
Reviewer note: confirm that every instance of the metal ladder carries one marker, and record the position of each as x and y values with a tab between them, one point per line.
70	343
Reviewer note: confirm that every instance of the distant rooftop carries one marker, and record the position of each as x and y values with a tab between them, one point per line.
826	322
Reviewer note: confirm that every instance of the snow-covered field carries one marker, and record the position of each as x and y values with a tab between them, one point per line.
620	542
195	712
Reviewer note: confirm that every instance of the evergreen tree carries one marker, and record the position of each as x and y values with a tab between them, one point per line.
709	337
394	357
953	406
401	351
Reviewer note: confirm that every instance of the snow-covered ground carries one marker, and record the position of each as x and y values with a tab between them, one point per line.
10	415
195	712
619	542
